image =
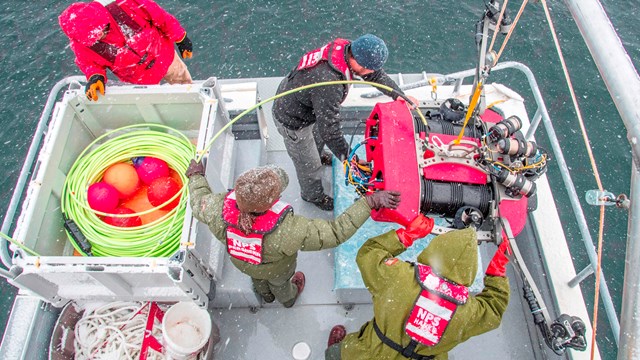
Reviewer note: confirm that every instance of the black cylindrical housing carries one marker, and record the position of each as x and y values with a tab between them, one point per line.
504	128
445	198
439	126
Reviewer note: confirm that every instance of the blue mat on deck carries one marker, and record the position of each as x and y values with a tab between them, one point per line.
347	274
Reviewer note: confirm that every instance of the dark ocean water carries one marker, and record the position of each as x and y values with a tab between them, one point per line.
264	38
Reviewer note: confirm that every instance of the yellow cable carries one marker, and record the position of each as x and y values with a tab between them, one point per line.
504	166
496	103
472	107
18	244
424	121
289	92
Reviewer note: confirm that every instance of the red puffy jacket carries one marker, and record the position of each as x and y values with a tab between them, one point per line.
142	56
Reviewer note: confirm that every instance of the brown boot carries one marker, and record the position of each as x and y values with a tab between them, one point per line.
324	203
297	280
336	335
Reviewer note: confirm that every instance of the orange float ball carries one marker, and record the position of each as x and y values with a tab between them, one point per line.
102	197
153	216
139	202
123	177
161	190
123	221
175	176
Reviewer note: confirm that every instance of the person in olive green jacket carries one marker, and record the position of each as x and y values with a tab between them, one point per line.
400	300
261	233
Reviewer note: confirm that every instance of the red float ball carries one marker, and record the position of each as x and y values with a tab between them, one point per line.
150	168
102	197
123	177
175	176
123	221
161	190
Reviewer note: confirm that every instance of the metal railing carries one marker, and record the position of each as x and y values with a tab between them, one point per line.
27	167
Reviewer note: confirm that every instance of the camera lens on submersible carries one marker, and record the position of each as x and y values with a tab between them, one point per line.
517	147
504	128
516	182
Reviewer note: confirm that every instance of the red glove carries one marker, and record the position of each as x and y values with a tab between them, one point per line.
418	228
497	266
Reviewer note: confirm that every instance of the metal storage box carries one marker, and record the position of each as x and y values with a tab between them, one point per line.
198	111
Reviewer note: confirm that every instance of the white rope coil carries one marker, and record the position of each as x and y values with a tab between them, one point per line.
114	331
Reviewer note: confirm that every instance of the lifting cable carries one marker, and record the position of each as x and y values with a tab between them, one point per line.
476	95
495	32
596	174
513	27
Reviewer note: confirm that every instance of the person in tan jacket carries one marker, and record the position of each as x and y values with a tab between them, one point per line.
261	232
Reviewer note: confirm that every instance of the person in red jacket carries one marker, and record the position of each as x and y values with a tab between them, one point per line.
132	38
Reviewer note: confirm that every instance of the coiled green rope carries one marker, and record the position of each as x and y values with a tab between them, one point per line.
298	89
160	238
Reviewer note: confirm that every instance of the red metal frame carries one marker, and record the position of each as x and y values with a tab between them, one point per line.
391	148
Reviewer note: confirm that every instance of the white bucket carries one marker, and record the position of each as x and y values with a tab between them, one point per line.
186	328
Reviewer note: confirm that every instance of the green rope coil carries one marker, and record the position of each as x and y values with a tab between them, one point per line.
299	89
160	238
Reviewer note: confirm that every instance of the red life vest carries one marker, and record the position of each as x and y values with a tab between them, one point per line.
138	48
434	307
333	53
130	30
248	247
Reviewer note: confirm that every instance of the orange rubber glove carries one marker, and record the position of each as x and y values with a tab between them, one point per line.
498	265
186	47
94	85
419	227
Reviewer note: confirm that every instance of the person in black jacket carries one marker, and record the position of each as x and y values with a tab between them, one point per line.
310	119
